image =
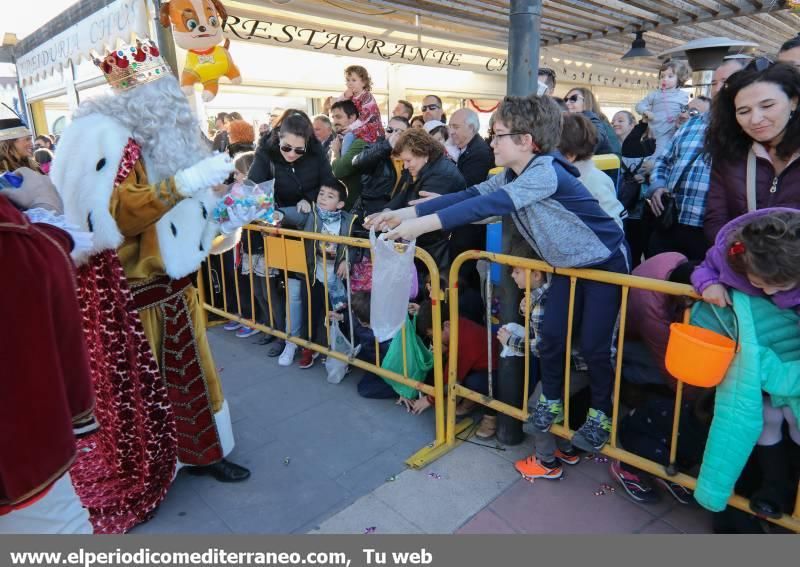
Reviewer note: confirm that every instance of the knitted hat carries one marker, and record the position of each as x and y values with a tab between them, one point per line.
241	131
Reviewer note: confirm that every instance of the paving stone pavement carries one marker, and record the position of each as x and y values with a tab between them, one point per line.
325	460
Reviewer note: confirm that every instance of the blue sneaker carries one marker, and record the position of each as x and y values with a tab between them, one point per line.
547	413
594	433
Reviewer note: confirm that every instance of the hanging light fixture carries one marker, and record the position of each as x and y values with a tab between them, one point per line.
638	48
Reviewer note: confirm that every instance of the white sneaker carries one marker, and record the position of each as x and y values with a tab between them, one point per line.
287	356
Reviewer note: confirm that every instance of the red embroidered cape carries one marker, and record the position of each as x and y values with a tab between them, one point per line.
123	472
44	381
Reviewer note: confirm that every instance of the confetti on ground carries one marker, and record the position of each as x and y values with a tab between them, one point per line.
391	479
220	369
599	459
370	530
286	461
604	489
435	476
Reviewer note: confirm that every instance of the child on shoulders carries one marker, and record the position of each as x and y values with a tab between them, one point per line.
368	126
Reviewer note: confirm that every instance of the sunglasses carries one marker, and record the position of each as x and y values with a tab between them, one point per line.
430	107
286	148
390	130
573	98
760	64
690	111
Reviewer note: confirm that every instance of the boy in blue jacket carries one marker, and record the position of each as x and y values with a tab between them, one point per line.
565	226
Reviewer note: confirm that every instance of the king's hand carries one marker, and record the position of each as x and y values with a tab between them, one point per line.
204	174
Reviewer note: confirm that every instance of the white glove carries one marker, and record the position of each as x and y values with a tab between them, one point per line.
238	216
204	174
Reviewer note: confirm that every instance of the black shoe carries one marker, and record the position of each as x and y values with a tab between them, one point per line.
266	340
223	471
772	499
276	349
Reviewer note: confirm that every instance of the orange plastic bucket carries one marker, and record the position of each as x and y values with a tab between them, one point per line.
698	356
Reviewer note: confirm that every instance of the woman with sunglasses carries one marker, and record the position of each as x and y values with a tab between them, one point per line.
582	100
754	136
292	156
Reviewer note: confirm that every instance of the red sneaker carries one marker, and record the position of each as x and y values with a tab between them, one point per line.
307	358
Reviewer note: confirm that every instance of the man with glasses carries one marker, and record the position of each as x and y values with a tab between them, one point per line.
379	170
432	109
684	171
696	107
343	114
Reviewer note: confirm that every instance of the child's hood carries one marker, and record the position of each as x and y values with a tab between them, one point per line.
565	163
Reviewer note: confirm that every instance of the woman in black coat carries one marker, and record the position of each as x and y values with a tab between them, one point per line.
295	159
426	170
292	156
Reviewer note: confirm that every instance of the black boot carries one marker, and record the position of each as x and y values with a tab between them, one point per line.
223	471
771	499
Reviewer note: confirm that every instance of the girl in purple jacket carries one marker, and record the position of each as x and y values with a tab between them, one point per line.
759	254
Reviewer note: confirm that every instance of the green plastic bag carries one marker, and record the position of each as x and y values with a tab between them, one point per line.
419	359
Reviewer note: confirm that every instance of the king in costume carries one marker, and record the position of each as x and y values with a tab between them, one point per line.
133	169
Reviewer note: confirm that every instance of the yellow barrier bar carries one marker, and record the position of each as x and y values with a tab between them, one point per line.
222	282
623	311
606	161
670	472
266	280
431	451
573	282
252	287
528	307
676	414
287	293
452	356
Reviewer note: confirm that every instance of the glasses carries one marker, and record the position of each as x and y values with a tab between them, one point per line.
493	134
286	148
573	98
760	64
390	130
430	107
690	111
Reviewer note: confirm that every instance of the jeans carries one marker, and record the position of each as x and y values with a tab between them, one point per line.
596	305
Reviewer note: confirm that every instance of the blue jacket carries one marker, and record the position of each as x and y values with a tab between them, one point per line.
552	209
769	361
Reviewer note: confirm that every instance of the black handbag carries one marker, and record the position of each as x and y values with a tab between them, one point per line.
669	217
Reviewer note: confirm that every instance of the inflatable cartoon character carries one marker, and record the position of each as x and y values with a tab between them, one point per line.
197	27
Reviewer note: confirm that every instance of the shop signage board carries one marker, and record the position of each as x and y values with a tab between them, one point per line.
242	27
118	20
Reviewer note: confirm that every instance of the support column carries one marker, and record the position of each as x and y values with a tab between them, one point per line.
523	66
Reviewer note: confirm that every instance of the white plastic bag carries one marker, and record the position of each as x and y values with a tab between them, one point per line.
391	285
516	330
336	368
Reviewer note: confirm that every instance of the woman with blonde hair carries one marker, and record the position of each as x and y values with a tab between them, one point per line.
16	146
581	100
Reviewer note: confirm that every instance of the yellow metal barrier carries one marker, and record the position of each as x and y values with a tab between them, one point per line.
285	250
626	282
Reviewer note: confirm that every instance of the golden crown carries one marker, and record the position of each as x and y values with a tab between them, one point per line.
129	65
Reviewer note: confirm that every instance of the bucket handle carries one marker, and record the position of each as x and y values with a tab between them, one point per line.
725	327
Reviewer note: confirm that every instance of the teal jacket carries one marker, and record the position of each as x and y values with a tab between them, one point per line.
769	361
